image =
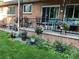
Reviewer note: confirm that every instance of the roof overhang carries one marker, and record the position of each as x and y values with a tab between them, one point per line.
16	2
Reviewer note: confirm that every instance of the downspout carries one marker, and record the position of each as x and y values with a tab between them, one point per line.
62	10
18	14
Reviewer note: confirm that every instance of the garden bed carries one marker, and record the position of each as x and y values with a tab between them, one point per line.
17	50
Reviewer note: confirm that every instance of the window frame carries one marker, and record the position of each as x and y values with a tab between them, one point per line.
9	14
73	11
50	7
25	5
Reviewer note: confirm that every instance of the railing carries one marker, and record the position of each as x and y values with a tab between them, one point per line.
49	24
53	24
70	21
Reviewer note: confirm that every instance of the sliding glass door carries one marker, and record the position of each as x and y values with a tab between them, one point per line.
49	13
45	14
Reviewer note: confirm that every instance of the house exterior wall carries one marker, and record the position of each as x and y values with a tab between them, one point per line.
37	6
36	11
8	18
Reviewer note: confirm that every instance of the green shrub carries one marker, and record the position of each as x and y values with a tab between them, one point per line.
23	35
43	45
32	40
59	46
65	26
38	30
40	43
13	35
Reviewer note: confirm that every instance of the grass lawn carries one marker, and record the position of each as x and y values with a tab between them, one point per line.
16	50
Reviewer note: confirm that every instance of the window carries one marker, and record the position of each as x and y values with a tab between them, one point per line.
1	14
72	11
1	10
27	8
54	12
76	14
69	11
6	0
11	10
50	13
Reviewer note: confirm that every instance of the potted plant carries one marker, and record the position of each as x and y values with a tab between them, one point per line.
65	27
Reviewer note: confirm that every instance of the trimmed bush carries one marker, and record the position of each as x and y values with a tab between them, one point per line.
23	35
38	30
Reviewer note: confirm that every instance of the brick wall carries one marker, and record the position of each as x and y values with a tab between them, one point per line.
52	38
